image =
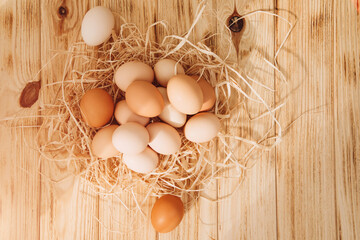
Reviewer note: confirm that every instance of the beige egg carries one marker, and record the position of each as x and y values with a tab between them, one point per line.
169	114
130	138
123	114
132	71
185	94
97	25
164	139
166	69
144	99
101	145
208	91
144	162
202	127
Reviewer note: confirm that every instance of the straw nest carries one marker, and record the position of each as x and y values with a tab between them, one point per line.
64	136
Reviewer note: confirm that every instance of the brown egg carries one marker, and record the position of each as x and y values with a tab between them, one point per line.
144	99
208	91
185	94
97	107
101	144
167	213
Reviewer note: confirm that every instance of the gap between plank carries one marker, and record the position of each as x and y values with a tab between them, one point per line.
275	150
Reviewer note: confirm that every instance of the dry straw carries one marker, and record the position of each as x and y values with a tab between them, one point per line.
63	135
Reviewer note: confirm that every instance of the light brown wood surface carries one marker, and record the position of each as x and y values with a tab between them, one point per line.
308	187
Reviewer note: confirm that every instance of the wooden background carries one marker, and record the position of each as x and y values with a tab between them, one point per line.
306	188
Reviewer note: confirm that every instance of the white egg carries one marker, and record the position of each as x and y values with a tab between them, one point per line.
169	114
202	127
130	138
164	139
97	25
123	114
132	71
143	162
166	69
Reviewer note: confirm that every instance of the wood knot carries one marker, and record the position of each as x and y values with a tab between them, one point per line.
30	94
236	23
63	11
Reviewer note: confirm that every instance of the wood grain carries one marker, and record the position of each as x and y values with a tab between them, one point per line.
347	120
255	199
307	188
69	208
305	159
19	178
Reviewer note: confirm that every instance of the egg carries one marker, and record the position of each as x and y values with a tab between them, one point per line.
97	107
130	138
123	114
208	91
202	127
144	99
166	69
144	162
169	114
132	71
97	25
101	144
185	94
167	213
164	139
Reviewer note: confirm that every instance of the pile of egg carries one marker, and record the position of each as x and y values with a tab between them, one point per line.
150	118
160	103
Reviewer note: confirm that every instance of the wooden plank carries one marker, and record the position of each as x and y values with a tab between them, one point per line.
305	159
19	62
69	207
250	212
200	220
347	119
116	221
